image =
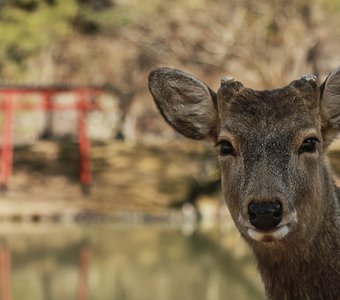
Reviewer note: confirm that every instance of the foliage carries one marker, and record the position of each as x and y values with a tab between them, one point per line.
27	27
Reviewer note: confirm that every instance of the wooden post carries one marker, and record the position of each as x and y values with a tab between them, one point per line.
83	290
48	107
7	141
5	272
84	142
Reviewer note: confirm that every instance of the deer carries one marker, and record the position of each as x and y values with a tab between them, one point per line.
277	184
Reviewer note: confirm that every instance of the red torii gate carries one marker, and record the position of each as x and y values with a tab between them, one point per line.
83	105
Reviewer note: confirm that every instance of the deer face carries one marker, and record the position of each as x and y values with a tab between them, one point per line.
270	146
271	155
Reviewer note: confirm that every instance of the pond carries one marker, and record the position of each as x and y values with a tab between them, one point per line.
124	262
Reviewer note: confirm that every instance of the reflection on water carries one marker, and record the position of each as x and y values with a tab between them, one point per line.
108	261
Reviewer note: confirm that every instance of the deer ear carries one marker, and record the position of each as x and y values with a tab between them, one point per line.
185	102
330	106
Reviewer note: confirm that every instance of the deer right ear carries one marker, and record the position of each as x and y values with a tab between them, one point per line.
330	106
185	102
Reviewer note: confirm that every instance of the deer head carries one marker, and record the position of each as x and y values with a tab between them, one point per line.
271	147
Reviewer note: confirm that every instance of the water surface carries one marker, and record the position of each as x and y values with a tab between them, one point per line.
122	262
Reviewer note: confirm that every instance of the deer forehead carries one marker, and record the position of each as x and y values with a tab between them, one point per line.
285	109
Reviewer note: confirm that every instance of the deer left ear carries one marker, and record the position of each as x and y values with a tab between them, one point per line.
185	102
330	106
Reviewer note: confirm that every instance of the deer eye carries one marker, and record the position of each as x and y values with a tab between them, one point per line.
226	148
308	145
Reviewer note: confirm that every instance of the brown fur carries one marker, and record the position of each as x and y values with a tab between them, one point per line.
266	130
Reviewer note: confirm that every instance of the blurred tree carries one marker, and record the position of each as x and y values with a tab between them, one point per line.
119	41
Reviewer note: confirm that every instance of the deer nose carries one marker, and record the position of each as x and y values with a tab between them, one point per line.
266	215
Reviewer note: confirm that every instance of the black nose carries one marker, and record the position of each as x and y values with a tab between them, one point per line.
266	215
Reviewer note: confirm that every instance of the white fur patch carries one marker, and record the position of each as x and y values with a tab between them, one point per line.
276	234
227	79
309	77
